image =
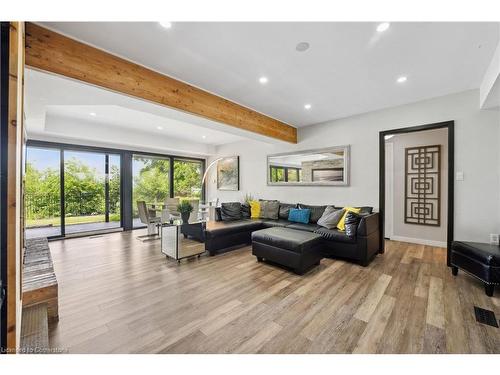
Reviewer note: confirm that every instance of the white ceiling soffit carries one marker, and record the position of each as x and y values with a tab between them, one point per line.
50	97
489	95
350	68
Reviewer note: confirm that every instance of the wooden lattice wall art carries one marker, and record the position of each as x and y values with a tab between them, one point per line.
423	185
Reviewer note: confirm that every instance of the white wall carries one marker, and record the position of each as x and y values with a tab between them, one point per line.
476	154
413	232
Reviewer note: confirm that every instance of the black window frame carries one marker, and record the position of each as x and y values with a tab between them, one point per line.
126	176
285	172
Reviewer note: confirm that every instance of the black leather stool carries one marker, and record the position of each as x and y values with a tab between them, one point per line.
478	259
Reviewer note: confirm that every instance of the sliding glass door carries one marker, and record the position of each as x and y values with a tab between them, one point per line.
91	191
151	183
157	178
71	191
43	192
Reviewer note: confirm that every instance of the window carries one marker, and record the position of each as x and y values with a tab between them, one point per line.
80	196
151	182
42	196
91	191
284	174
187	178
72	189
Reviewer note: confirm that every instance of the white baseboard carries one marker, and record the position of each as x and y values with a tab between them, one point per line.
419	241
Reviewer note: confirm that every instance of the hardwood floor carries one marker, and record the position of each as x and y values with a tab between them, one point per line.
120	295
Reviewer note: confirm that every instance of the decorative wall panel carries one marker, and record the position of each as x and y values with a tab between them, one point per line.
423	185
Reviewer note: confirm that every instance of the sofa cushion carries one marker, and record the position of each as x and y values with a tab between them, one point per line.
331	217
304	227
285	210
275	223
298	215
335	235
288	239
230	211
341	224
316	212
269	210
245	211
221	228
351	223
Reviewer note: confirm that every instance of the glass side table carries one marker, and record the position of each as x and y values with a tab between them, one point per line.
180	241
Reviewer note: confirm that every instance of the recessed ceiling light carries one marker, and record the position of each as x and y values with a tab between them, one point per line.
263	80
166	25
307	106
302	46
383	26
159	127
402	79
203	136
93	114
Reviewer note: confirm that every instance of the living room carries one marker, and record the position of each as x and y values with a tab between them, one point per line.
246	196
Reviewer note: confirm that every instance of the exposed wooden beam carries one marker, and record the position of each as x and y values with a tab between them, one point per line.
52	52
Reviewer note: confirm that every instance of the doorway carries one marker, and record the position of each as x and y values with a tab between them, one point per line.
410	192
71	191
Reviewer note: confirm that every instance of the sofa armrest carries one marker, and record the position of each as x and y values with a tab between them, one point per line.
368	224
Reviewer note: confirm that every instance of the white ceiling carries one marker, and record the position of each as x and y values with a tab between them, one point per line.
349	68
50	98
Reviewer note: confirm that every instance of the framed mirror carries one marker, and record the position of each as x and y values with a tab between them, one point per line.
323	167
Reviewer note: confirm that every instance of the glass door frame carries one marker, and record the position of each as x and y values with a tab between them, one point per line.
62	147
171	173
106	169
126	177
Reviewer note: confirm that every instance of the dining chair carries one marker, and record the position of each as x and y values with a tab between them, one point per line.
148	217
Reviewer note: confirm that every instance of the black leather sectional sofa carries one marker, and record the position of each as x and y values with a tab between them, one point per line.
221	236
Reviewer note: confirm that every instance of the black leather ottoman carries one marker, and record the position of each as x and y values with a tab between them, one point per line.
299	250
478	259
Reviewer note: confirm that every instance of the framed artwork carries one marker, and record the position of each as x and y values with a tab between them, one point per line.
228	173
423	185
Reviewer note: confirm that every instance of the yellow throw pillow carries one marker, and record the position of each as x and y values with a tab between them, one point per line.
341	224
254	209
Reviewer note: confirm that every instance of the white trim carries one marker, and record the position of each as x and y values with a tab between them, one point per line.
389	192
419	241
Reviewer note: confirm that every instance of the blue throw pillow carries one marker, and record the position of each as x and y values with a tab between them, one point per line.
298	215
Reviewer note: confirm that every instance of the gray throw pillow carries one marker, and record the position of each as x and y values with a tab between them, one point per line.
285	210
269	209
331	217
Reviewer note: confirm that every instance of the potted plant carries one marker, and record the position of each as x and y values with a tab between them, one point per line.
185	208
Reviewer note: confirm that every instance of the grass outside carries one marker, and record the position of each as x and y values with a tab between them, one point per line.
56	221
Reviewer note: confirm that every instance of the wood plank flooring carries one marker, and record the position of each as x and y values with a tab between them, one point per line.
120	295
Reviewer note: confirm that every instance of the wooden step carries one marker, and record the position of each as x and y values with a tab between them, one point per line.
35	330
